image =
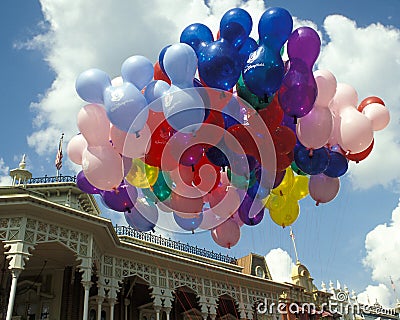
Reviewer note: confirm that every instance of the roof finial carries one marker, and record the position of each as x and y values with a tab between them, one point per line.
22	164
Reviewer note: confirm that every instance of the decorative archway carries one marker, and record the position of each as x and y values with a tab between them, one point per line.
185	304
227	308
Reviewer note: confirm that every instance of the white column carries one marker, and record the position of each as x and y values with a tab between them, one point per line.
168	312
157	313
112	304
15	274
86	286
99	304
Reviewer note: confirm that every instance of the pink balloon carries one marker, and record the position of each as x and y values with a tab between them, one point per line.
184	206
93	123
227	234
345	96
356	132
210	220
131	145
378	114
224	201
334	138
323	188
315	128
75	148
237	219
102	166
326	84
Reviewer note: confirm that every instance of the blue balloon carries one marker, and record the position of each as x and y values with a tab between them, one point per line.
161	57
219	65
264	70
248	47
216	156
311	161
91	84
235	26
275	27
182	104
137	70
338	165
126	107
189	224
196	35
153	92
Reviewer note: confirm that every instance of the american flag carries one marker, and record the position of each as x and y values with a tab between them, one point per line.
58	161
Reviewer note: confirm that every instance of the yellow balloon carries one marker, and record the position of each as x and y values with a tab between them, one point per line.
286	215
286	185
141	175
274	202
300	188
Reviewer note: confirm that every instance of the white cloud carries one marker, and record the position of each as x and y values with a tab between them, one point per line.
383	246
5	179
368	59
280	265
379	293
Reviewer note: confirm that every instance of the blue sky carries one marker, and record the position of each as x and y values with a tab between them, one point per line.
45	45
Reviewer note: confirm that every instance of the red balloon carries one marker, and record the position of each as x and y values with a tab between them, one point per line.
357	157
284	160
207	176
241	138
284	139
159	138
159	74
369	100
273	114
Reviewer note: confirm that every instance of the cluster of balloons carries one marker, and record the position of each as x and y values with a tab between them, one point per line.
250	133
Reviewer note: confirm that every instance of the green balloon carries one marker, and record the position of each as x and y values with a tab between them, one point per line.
297	170
256	102
160	188
241	182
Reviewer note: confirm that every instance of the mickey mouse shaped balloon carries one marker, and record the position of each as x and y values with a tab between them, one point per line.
125	104
183	106
299	89
264	70
220	61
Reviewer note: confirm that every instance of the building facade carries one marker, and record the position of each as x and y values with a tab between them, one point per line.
62	260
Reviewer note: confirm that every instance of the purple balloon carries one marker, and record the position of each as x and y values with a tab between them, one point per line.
251	211
299	89
83	184
138	222
121	199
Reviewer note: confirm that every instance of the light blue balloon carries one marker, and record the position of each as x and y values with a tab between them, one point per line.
126	107
137	70
180	64
183	106
153	92
91	84
183	109
189	224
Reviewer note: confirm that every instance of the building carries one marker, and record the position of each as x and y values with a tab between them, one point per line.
62	260
344	305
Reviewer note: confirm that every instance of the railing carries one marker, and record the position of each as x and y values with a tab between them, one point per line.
177	245
54	179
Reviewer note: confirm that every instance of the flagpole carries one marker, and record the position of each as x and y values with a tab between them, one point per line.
59	156
294	245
